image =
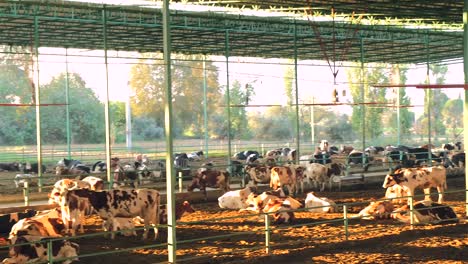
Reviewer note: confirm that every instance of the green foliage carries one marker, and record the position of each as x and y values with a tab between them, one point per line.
146	129
147	83
273	125
453	117
86	111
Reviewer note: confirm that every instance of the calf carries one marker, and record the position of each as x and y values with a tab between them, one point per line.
21	252
426	212
320	174
377	210
425	178
95	184
31	167
236	199
319	204
48	223
212	179
123	224
283	176
255	203
120	203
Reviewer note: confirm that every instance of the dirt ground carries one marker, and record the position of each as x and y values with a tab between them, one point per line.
308	240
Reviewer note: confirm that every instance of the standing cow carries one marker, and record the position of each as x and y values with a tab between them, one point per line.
425	178
210	178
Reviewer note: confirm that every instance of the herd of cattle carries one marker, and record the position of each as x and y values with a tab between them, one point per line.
121	209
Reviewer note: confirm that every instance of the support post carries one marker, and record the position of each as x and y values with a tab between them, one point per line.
465	106
363	96
428	103
205	107
110	177
228	97
345	220
296	83
67	106
37	100
170	174
267	234
26	193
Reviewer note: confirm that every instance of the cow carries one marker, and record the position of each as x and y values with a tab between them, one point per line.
322	174
180	210
257	174
283	176
346	149
300	176
394	193
236	199
181	160
255	202
196	156
425	178
71	217
458	160
79	169
426	212
212	179
95	184
99	167
236	169
358	157
12	166
7	221
377	210
119	203
273	154
324	145
47	223
125	225
282	209
37	250
319	204
28	167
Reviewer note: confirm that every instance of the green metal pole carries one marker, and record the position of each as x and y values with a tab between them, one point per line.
465	107
67	106
312	123
398	116
170	174
363	97
296	82
228	98
37	98
428	102
205	106
110	177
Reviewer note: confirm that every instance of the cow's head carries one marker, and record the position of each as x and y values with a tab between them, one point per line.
392	179
275	180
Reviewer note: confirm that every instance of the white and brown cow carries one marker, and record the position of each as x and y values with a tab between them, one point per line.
412	178
95	183
21	252
47	224
258	174
282	209
319	204
120	203
236	199
283	176
320	174
255	203
125	225
426	212
377	210
210	178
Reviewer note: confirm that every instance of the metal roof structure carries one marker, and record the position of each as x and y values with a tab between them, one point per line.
139	28
447	11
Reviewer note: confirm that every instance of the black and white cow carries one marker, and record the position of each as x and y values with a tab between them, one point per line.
198	155
28	167
11	166
7	221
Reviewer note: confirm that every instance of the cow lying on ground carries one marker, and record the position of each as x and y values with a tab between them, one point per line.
37	252
210	178
426	212
282	209
46	224
377	210
236	199
255	203
413	178
12	166
7	221
119	203
180	210
123	224
319	204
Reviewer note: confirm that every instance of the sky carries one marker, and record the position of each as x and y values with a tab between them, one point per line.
314	80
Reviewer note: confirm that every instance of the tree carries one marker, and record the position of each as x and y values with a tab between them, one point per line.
376	74
147	83
453	113
86	112
273	125
239	96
